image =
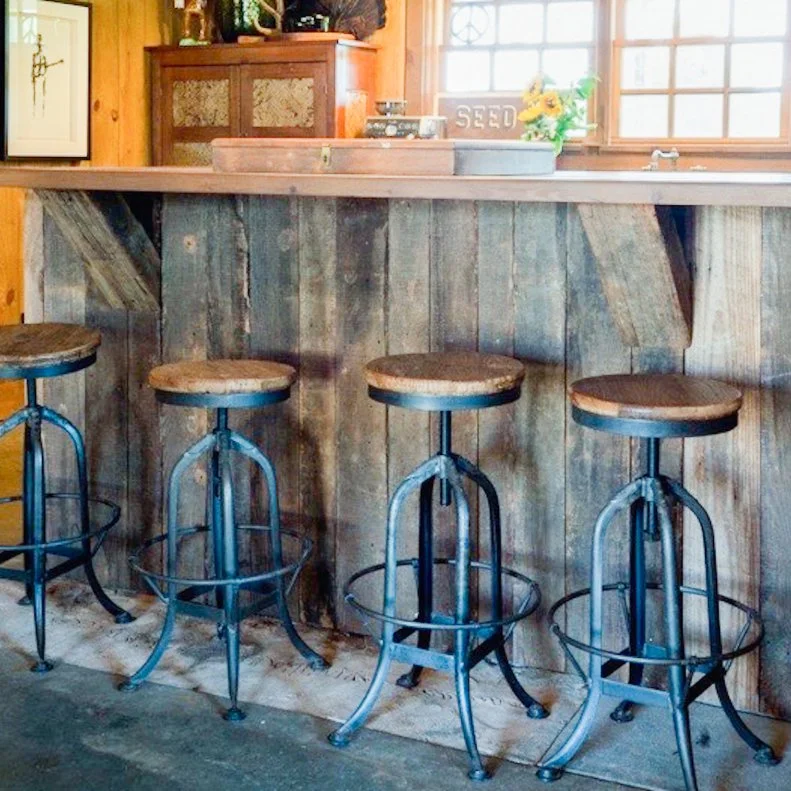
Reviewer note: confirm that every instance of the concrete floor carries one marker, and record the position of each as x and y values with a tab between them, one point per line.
72	730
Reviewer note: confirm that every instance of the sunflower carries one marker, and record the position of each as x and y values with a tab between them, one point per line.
534	89
551	104
530	113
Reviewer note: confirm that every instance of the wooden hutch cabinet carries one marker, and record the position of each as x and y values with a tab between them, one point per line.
275	89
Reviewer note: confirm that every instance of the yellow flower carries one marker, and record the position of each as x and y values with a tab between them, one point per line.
550	104
530	113
534	89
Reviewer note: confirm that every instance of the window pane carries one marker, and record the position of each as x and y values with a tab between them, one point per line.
513	69
467	71
757	65
754	115
705	17
698	116
472	24
649	18
521	24
645	67
771	21
565	66
644	116
570	22
700	67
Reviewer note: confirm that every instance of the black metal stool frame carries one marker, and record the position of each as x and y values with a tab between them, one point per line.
649	499
34	546
227	583
449	469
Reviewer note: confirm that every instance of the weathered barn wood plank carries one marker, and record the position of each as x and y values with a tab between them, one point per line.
63	300
724	471
454	327
775	681
597	464
408	308
644	274
106	414
361	427
273	233
185	336
539	474
497	437
117	254
318	326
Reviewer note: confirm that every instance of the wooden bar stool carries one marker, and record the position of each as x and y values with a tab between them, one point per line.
655	407
31	352
223	385
443	383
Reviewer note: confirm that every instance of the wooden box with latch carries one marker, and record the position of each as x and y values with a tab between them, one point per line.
383	157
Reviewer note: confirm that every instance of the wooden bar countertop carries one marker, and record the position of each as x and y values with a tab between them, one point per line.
682	188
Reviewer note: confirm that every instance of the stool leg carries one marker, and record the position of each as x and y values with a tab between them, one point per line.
551	769
39	535
230	570
247	448
27	516
187	459
342	736
675	639
73	433
764	754
637	589
534	709
425	582
462	636
215	517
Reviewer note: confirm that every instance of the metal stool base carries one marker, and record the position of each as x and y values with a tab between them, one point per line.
648	500
178	592
35	547
448	469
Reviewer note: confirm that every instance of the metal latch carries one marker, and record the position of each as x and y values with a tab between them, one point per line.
326	154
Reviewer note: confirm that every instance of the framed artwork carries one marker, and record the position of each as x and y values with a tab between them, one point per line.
46	71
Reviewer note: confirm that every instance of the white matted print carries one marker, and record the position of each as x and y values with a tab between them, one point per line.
47	79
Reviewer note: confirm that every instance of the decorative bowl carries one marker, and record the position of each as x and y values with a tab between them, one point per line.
391	106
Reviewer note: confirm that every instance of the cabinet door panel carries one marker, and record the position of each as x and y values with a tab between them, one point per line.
284	100
199	103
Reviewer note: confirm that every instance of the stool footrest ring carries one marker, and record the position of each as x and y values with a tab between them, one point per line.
98	535
753	620
153	577
534	593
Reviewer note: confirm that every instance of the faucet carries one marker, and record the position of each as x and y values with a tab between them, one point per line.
658	155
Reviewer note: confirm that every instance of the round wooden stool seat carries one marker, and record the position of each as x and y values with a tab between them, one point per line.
46	349
655	405
468	377
210	380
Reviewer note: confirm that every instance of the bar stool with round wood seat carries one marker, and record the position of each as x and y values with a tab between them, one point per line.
443	383
223	385
655	407
32	352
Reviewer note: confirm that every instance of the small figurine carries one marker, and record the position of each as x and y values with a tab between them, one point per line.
194	9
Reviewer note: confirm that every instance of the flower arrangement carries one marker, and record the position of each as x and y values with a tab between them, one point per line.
551	114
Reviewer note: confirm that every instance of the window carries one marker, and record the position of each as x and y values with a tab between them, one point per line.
700	70
698	74
493	49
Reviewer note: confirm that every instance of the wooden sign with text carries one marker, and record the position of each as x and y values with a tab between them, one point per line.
482	116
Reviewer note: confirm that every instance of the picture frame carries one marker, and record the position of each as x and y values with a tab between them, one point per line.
45	65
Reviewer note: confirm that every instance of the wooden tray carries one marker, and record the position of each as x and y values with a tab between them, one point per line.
383	157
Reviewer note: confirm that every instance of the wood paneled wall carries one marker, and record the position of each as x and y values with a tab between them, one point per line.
327	284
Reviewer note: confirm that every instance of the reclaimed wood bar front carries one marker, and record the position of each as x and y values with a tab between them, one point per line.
575	274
